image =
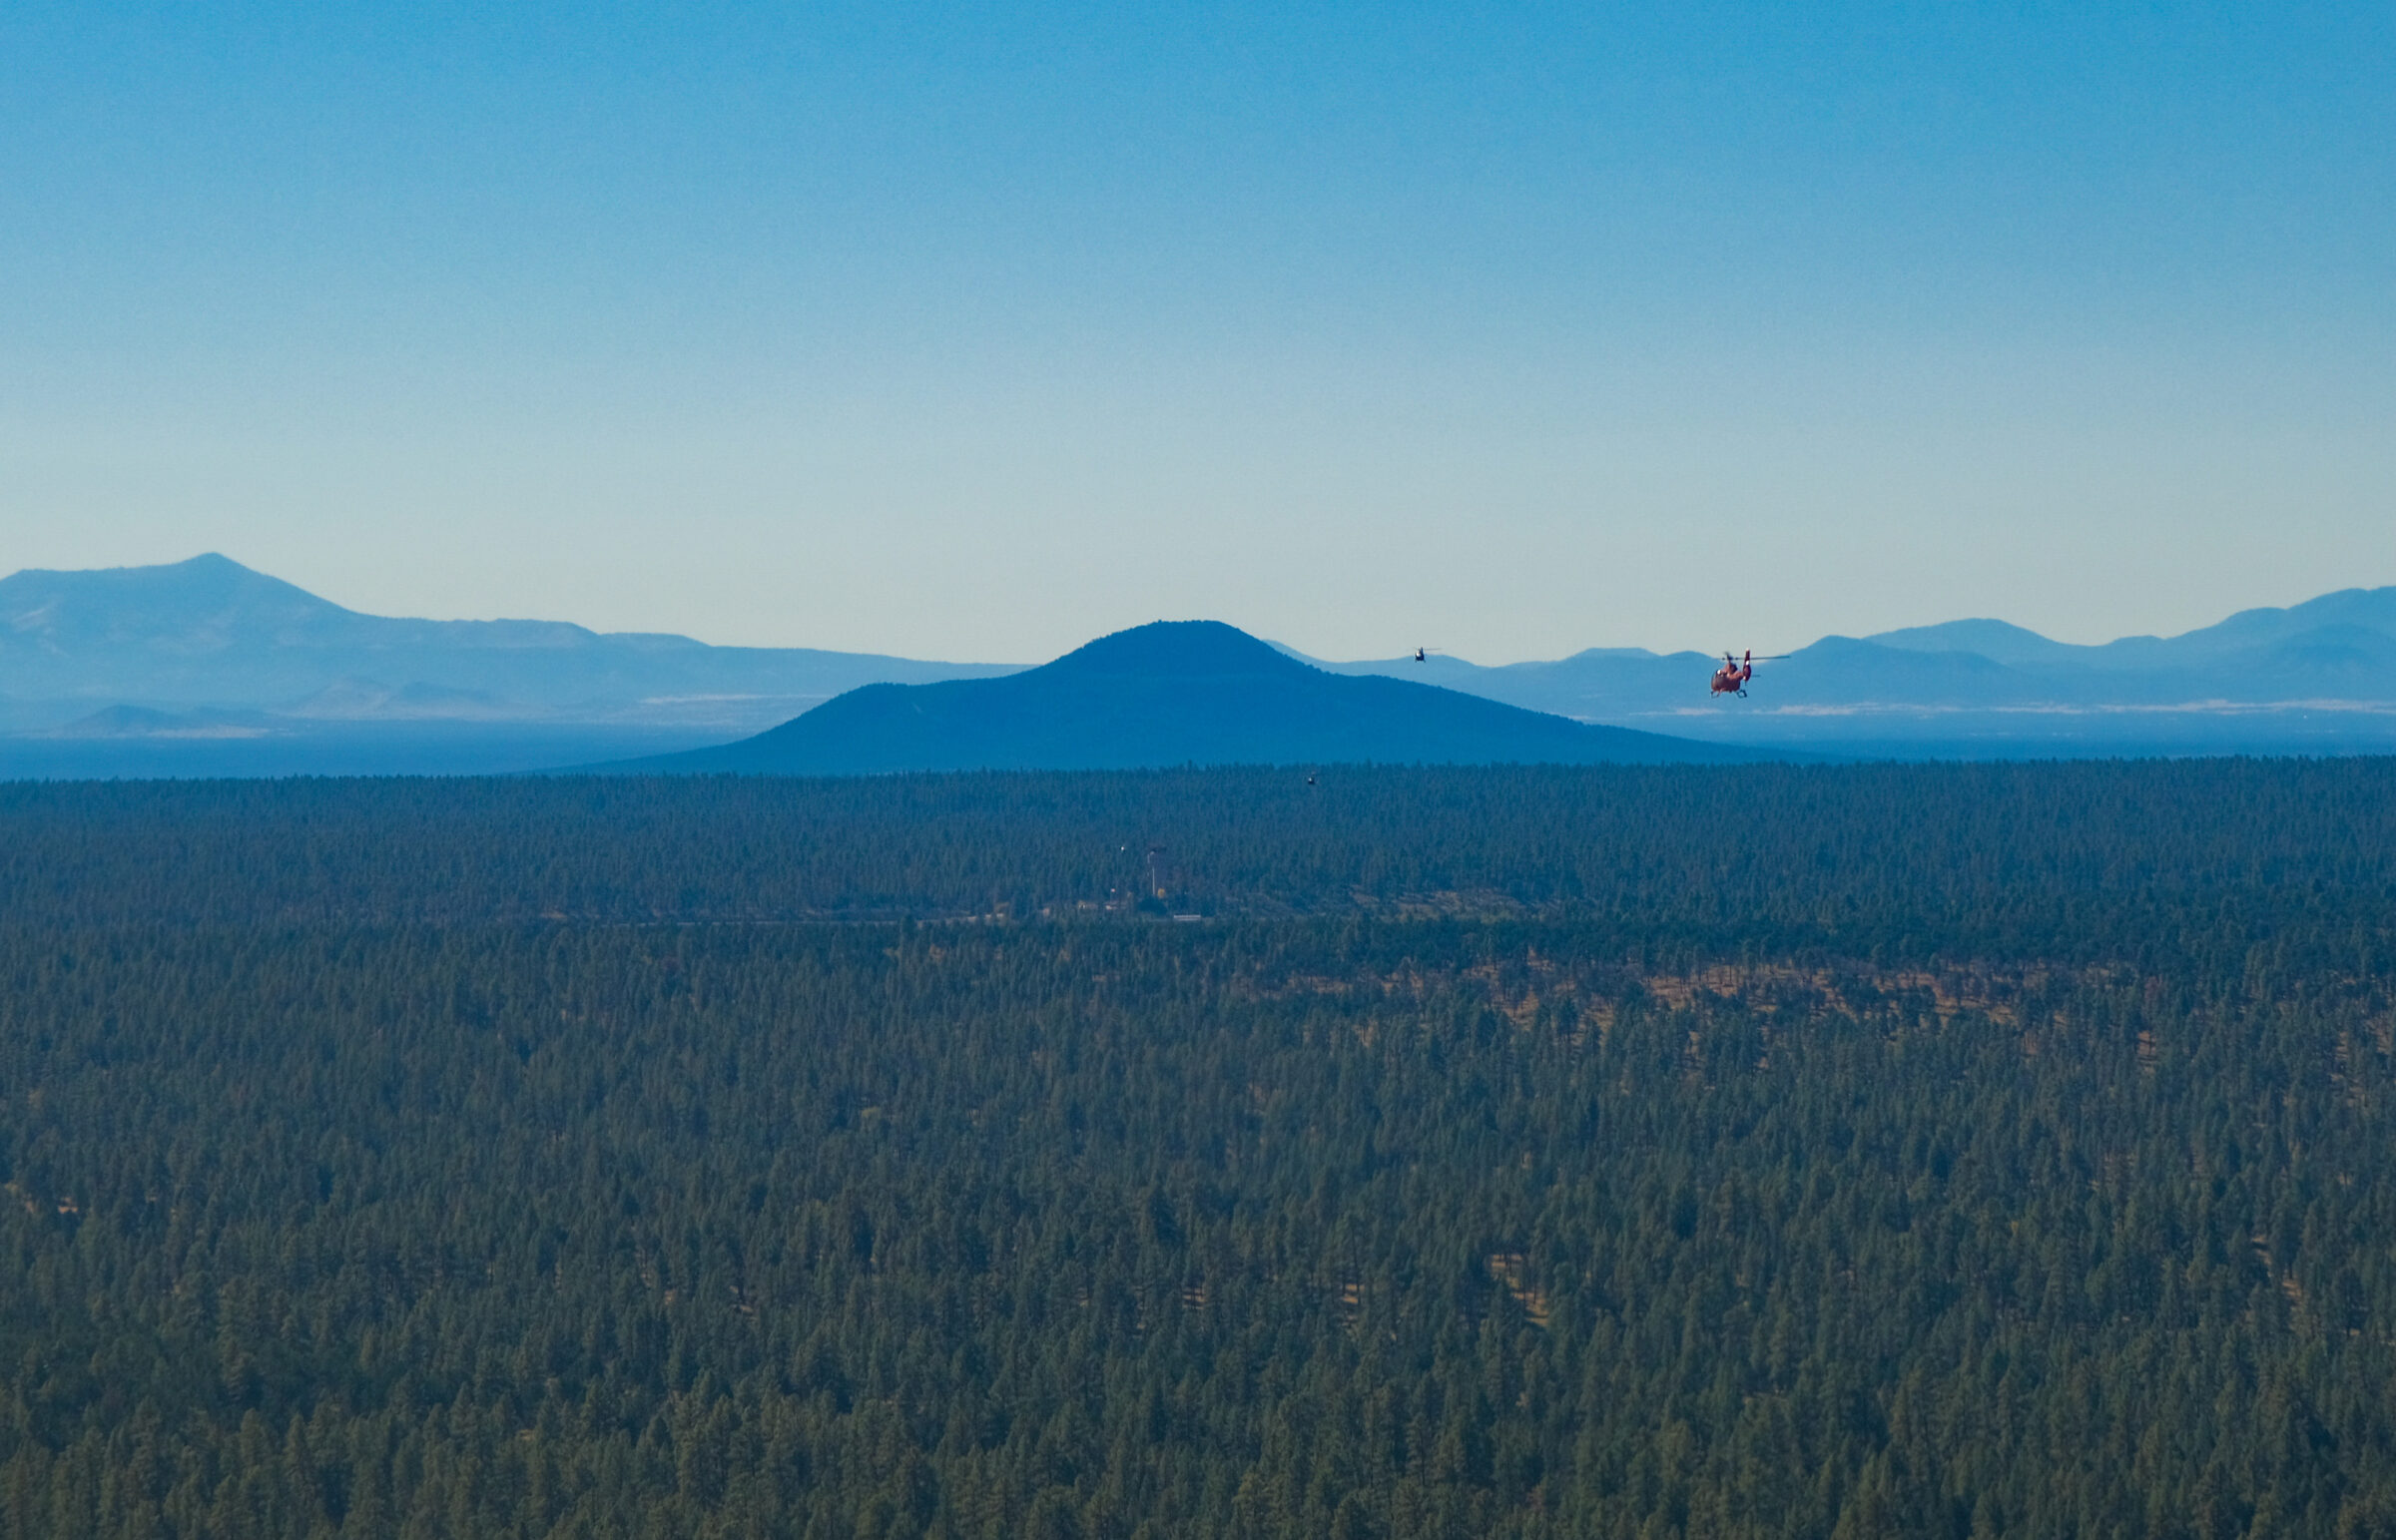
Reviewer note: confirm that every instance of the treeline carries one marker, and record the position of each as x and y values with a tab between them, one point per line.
431	1217
2084	860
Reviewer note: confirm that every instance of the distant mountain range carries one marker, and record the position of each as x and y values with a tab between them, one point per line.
2316	677
206	667
1172	692
210	636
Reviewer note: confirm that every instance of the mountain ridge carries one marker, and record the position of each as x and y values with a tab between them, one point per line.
209	632
2314	676
209	635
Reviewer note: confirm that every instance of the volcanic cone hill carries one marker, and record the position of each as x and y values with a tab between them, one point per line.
1171	692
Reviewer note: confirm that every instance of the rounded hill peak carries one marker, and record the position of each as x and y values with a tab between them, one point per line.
1181	648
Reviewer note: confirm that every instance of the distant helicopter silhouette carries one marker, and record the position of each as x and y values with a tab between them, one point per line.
1733	677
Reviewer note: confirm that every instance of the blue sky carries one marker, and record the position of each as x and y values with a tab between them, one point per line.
976	332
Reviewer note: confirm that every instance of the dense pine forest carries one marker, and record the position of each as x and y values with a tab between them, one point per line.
1759	1151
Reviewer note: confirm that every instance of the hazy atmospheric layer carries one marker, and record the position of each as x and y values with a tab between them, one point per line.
206	667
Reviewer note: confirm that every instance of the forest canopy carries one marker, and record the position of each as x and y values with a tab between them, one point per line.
1805	1151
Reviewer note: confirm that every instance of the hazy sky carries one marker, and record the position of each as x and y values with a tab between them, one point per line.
976	332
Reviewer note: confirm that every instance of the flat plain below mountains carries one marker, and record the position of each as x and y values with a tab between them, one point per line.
208	668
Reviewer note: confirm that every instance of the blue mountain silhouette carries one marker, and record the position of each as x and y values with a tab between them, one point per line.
1172	692
206	646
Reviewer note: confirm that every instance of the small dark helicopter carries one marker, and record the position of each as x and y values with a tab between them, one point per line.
1425	654
1733	677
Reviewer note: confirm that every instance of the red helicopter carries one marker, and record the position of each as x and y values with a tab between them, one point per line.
1733	677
